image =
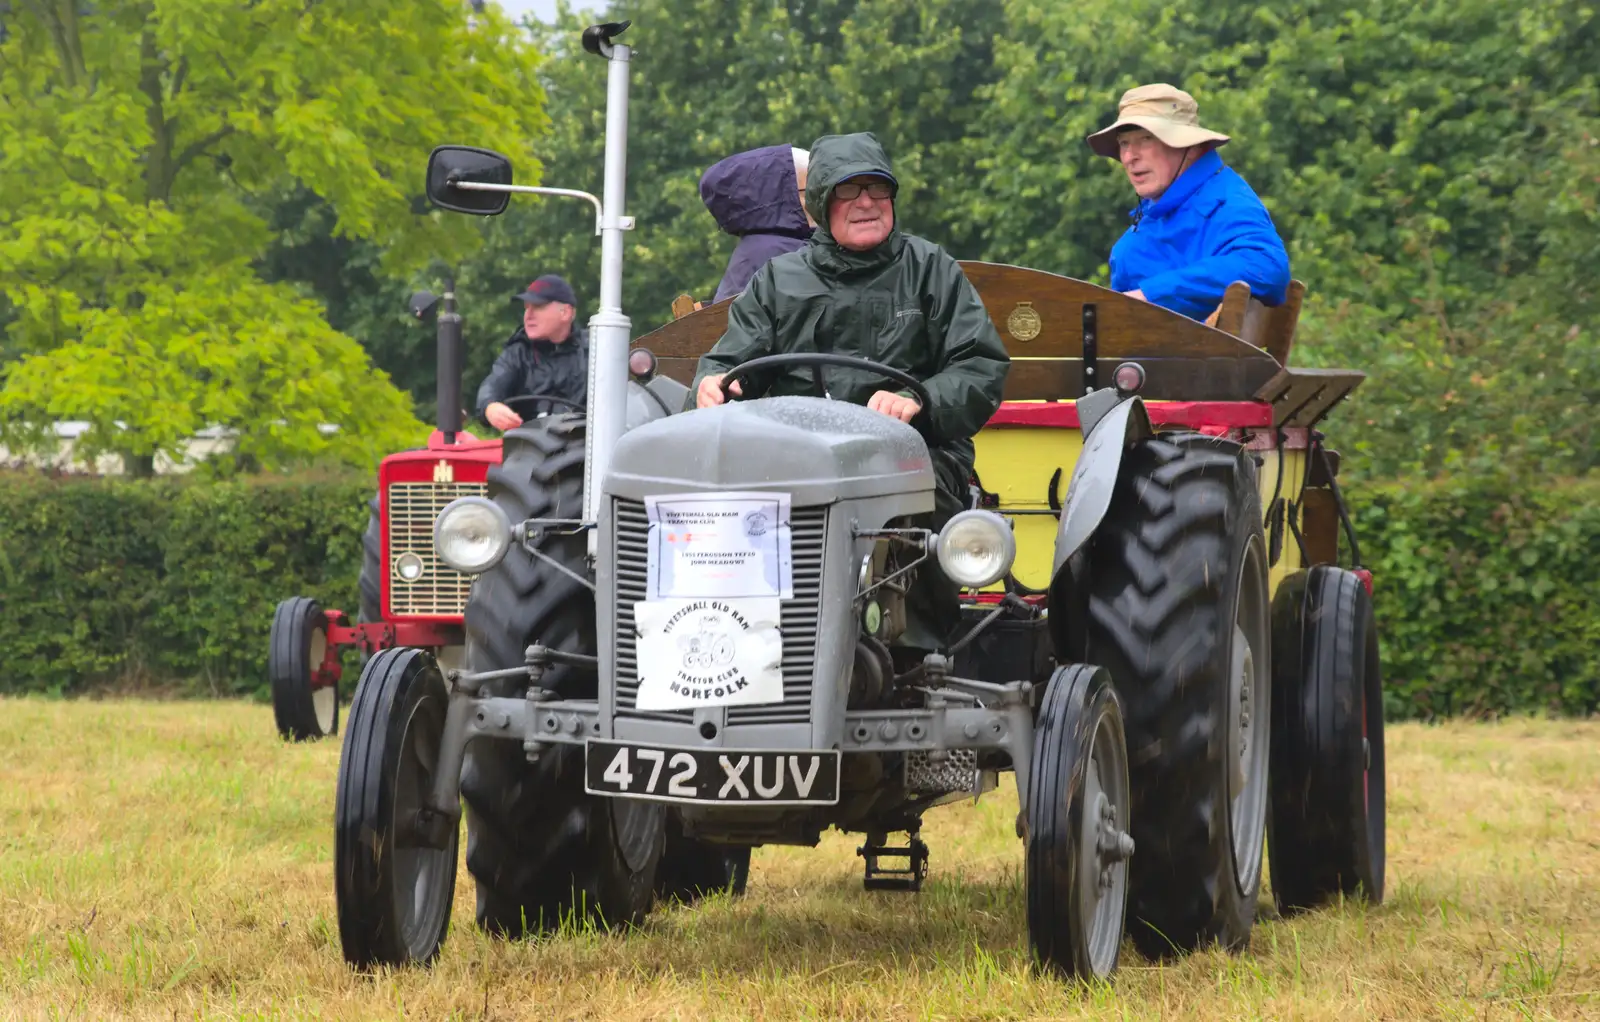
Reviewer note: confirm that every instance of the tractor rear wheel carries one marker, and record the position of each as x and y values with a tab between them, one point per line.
1178	612
539	848
296	646
393	883
1328	794
372	568
692	869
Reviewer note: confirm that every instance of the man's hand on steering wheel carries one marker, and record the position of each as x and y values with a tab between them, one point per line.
499	414
501	417
714	390
710	392
896	406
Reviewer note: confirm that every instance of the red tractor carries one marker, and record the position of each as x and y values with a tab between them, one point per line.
409	597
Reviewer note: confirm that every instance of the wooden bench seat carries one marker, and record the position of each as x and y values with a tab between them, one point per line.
1050	323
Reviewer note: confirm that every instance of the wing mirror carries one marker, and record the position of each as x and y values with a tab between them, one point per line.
452	166
422	304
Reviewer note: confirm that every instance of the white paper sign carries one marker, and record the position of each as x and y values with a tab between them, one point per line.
719	545
696	653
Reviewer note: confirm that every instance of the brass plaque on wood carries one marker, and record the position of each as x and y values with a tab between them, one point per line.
1024	323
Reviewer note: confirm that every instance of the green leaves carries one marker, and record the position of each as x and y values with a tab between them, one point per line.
138	139
1482	591
1434	167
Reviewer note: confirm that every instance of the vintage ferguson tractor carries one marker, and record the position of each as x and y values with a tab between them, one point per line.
680	634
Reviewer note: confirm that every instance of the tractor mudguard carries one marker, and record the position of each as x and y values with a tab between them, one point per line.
656	398
1094	477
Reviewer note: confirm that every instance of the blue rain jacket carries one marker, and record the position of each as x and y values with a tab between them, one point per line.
1207	230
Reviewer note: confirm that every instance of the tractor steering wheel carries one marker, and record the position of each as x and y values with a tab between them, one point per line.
511	402
816	360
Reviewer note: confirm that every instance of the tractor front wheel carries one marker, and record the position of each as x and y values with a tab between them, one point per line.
1078	843
305	707
394	860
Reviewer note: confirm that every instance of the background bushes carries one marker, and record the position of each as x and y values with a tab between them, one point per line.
1485	594
165	582
1484	586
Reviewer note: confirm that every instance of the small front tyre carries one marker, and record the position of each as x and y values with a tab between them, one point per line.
394	863
306	707
1078	844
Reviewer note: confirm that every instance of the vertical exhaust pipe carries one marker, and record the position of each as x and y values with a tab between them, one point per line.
449	375
609	328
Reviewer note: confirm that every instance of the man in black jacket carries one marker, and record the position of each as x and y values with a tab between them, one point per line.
547	357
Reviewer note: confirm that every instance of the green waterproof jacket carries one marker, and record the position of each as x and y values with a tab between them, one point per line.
905	304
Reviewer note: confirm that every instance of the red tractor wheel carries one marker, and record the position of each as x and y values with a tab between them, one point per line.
305	697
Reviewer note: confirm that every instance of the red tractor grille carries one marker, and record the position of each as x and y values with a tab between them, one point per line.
440	591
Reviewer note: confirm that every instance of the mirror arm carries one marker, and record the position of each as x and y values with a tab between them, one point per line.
599	214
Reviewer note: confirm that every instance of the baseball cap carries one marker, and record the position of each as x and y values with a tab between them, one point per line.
549	288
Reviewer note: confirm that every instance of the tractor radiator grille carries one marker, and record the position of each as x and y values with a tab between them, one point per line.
441	591
798	623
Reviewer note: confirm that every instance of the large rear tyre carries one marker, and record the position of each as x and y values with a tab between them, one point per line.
303	709
372	567
1328	793
539	848
692	869
1078	843
393	885
1178	612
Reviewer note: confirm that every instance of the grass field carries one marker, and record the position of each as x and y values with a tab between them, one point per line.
174	861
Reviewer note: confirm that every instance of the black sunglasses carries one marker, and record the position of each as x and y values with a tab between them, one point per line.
852	190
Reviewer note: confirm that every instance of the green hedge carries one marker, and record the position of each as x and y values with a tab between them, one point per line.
1484	589
166	582
1486	594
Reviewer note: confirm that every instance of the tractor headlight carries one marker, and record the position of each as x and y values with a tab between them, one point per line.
408	567
472	534
976	548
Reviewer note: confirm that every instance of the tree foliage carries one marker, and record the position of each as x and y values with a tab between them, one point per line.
1483	588
711	78
142	141
1434	168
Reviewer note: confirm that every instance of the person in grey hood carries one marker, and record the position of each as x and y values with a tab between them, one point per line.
862	287
756	196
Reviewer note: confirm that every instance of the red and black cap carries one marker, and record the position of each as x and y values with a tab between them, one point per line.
549	288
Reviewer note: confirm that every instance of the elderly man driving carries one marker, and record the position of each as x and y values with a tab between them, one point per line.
863	287
1198	226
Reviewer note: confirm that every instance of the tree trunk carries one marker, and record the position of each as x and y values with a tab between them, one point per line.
60	19
158	159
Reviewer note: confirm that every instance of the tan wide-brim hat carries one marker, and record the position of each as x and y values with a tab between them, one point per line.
1168	113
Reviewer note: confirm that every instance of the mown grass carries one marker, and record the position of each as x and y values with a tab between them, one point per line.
174	860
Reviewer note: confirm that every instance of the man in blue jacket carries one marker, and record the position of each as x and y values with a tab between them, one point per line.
1198	226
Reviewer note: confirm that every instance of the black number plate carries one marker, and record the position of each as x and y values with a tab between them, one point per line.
721	776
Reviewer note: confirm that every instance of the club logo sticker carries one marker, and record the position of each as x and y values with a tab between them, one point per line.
708	653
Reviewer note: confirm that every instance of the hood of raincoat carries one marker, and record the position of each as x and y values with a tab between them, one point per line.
756	192
836	158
